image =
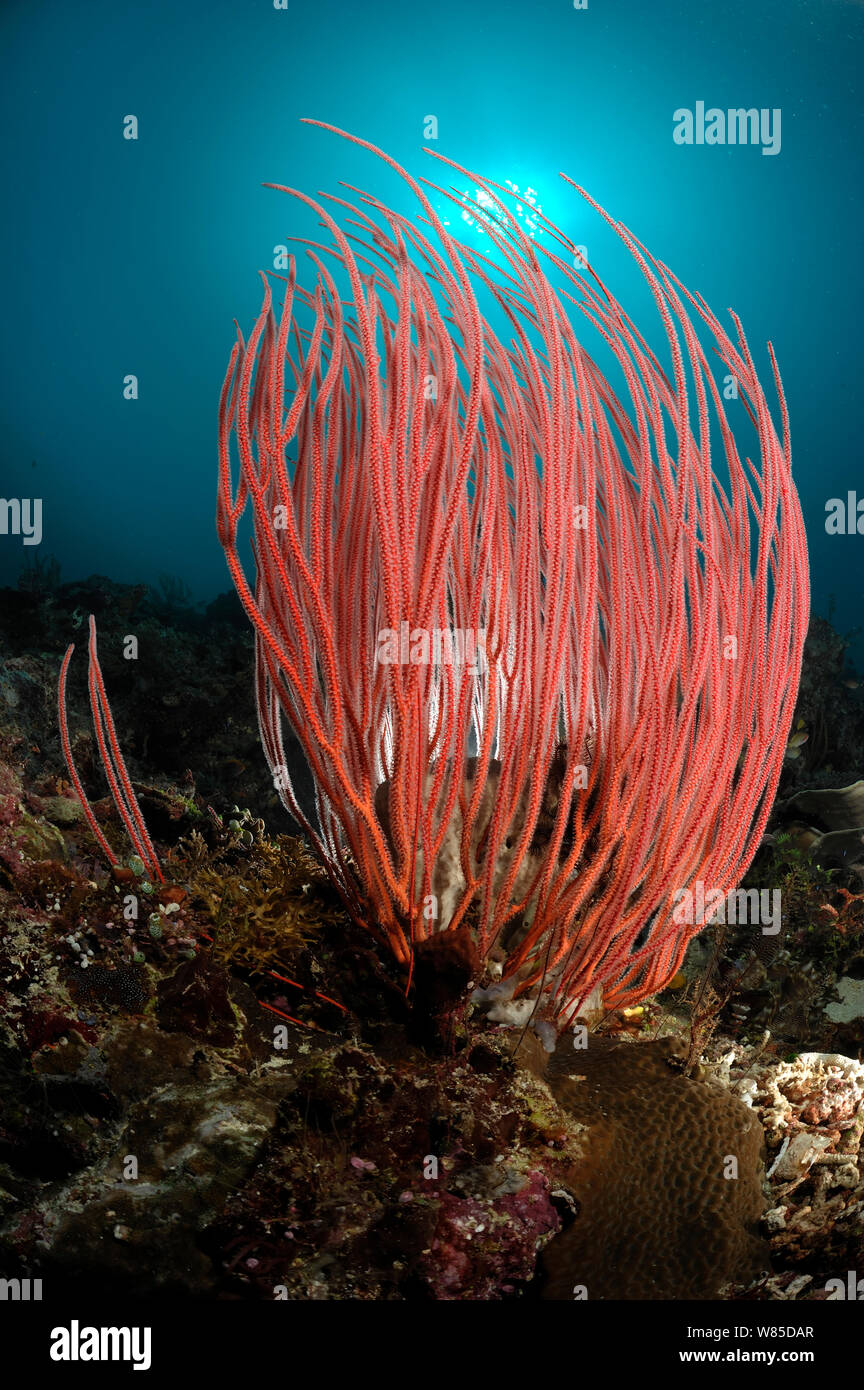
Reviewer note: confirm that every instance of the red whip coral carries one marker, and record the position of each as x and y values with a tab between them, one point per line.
113	762
540	653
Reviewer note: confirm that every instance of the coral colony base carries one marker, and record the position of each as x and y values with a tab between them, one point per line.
640	585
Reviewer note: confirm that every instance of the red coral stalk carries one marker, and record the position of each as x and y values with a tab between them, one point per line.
112	761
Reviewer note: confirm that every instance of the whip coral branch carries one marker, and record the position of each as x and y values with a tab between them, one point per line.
112	761
418	469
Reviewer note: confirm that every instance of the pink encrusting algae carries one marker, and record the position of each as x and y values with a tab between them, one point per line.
620	733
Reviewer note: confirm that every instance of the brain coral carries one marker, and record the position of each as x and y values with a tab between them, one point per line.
658	1218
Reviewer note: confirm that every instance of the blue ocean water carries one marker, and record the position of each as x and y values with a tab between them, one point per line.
132	257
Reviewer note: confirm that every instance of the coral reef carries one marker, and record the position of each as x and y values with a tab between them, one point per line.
812	1110
184	709
225	1094
830	710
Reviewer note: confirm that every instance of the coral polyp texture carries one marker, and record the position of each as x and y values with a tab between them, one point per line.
539	636
659	1215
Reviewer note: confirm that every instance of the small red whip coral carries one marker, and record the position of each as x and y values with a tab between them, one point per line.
113	762
540	652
